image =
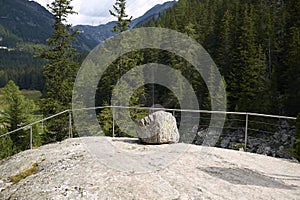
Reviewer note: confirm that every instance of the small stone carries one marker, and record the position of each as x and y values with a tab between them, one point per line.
284	138
281	148
225	142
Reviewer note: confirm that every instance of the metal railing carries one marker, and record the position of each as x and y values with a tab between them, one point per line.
267	124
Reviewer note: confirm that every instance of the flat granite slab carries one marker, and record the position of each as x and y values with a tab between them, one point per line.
122	168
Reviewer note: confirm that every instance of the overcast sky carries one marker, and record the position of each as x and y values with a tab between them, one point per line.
95	12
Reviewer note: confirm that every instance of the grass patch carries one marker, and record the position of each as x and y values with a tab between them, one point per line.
33	95
25	173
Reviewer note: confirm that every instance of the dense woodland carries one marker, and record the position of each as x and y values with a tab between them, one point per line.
255	44
20	66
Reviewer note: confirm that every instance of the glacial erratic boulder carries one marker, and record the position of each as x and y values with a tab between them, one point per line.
158	128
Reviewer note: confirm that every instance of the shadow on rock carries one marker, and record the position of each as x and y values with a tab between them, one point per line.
245	177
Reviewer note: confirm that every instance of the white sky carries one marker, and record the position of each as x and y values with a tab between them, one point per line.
95	12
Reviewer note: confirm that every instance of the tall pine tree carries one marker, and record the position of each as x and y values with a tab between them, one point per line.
292	59
59	71
117	70
250	70
120	13
18	113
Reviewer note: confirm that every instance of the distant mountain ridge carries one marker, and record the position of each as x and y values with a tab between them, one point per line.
91	36
28	21
153	13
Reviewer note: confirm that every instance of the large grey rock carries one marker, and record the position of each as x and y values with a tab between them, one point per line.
158	128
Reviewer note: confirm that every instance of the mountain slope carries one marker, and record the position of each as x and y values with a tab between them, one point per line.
24	25
25	20
153	13
91	36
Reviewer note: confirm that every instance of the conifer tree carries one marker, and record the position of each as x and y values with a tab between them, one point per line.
59	71
293	72
6	146
226	44
117	70
251	69
292	59
119	12
18	113
255	44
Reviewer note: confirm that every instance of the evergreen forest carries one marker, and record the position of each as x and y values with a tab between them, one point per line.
255	44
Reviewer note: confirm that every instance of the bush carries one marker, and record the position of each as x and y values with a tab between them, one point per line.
6	147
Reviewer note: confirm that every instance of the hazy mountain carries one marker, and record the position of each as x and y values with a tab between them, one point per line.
91	36
152	13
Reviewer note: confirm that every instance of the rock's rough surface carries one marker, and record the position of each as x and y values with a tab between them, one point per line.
158	128
68	171
275	144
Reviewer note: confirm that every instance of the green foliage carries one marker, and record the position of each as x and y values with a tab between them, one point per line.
18	108
20	66
33	22
254	44
119	12
17	112
113	74
8	39
6	146
23	26
107	86
105	118
33	95
59	71
293	71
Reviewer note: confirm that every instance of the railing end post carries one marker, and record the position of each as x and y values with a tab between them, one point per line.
70	124
31	137
246	131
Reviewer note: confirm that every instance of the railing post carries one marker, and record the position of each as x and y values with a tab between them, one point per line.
246	132
113	123
30	137
43	125
70	125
